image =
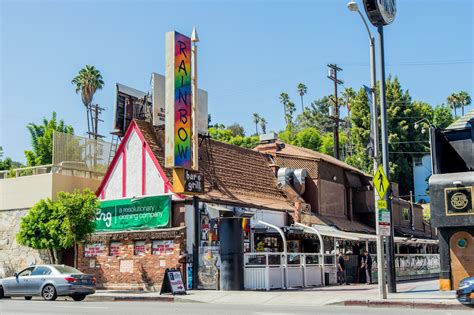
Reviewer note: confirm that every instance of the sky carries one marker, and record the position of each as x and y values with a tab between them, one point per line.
249	52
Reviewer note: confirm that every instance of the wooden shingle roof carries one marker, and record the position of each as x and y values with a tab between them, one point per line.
232	174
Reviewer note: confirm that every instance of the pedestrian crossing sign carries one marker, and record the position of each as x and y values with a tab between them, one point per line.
381	182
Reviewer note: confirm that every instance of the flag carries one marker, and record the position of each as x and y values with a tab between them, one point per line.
370	144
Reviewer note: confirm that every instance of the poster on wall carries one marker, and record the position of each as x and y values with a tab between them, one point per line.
133	214
162	247
178	101
94	250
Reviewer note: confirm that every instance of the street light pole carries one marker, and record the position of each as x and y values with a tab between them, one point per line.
352	6
392	283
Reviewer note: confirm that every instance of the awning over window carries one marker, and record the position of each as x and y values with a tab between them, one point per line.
338	234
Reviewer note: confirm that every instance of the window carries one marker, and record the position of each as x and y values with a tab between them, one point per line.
139	248
41	271
406	214
26	272
162	247
66	269
114	248
94	250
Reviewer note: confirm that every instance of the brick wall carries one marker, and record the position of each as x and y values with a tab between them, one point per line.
130	271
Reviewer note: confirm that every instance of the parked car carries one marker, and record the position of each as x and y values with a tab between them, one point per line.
465	294
48	281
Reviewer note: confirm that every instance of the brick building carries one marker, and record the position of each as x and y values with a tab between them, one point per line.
236	181
341	195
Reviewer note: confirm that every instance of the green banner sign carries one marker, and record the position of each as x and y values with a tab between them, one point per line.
133	214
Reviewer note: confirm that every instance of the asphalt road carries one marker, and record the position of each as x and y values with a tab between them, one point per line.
16	306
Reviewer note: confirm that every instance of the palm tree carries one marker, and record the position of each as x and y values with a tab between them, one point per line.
263	125
284	99
453	102
88	81
302	90
464	99
256	120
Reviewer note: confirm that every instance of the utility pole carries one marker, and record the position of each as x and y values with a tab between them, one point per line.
333	69
412	221
389	243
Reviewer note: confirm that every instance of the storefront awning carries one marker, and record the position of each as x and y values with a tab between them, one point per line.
333	232
215	210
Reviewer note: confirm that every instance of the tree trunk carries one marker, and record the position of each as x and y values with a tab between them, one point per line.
462	110
455	112
56	256
256	128
302	106
51	255
75	254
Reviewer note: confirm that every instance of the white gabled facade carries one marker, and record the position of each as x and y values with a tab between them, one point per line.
134	171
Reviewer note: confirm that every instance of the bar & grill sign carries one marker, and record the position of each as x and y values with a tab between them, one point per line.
133	214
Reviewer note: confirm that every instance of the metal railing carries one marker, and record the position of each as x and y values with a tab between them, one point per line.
266	271
61	168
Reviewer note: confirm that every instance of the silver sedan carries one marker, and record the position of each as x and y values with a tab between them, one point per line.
48	281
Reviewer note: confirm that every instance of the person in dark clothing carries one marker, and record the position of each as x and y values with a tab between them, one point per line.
366	264
341	277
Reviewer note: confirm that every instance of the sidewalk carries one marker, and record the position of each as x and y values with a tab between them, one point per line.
419	294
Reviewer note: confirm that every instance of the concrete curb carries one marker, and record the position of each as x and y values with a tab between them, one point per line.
403	304
131	298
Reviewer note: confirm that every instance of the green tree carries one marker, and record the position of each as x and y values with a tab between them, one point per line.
317	116
256	120
42	140
6	164
237	129
284	99
464	99
308	138
41	228
60	224
442	117
263	125
79	210
87	82
302	90
453	102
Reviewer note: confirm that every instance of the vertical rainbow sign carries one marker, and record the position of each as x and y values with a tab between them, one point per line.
178	101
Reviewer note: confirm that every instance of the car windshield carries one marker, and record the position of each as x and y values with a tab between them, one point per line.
66	269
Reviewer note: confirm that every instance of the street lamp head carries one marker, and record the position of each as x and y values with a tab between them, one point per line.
352	6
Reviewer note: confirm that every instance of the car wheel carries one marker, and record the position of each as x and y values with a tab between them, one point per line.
49	292
2	295
78	297
28	298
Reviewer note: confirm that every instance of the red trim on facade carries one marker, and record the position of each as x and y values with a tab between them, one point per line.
168	186
102	194
124	173
113	164
121	150
143	168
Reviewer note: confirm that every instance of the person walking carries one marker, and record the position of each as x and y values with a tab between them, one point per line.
341	277
366	264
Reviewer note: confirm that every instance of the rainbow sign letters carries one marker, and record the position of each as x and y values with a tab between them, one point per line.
182	103
178	101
